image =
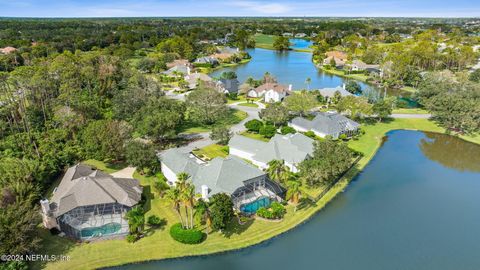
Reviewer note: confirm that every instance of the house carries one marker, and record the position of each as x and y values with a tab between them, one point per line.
271	92
228	86
326	124
329	93
8	50
206	60
340	58
90	204
359	65
193	79
179	62
286	34
291	148
300	35
177	70
245	183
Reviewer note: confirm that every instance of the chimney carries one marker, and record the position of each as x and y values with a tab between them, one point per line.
45	206
205	192
188	70
343	86
289	87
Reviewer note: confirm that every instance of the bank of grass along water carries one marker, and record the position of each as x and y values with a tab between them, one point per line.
159	245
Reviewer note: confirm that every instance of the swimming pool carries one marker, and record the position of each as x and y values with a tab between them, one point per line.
252	207
109	228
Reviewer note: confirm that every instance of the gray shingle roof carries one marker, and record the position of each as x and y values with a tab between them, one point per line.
292	148
220	174
327	123
330	92
231	85
81	186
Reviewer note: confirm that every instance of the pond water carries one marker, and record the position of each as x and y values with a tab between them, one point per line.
288	67
415	206
300	44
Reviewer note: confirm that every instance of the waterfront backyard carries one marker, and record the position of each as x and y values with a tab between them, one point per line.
159	245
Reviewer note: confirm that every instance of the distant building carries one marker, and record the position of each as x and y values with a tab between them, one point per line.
193	79
287	34
300	35
8	50
179	62
207	60
178	70
271	92
291	148
329	93
228	86
326	124
359	65
90	204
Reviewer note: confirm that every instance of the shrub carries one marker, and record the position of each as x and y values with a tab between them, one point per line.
287	130
276	211
254	125
310	134
268	131
186	236
154	220
343	137
131	238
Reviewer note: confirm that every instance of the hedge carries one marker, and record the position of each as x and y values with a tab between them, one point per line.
276	211
186	236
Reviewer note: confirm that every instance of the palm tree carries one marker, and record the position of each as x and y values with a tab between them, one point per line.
294	192
136	220
308	81
174	195
188	196
277	170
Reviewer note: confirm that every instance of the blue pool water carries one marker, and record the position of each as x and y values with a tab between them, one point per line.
252	207
109	228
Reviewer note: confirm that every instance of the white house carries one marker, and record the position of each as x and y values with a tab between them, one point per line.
271	92
326	124
291	148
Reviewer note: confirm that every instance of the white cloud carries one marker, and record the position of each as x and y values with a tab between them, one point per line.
261	7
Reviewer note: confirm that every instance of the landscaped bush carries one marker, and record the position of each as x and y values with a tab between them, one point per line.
186	236
154	220
254	125
310	134
131	238
276	211
268	131
287	130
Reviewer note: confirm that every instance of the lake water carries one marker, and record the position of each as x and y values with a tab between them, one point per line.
288	67
415	206
300	44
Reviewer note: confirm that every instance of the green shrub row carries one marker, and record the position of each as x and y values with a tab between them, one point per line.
276	211
186	236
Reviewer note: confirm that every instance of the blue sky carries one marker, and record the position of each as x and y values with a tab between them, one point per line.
172	8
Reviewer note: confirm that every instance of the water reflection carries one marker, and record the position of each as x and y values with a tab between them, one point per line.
451	152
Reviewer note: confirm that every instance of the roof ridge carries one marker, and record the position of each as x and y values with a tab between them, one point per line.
108	193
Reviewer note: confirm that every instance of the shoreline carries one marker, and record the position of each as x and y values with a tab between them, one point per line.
277	229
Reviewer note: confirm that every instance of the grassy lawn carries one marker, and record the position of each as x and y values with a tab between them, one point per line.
212	151
255	136
341	73
233	117
408	89
240	98
248	105
159	245
410	111
264	41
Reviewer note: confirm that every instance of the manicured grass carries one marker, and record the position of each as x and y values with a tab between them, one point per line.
240	98
233	117
246	104
212	151
255	136
410	111
106	167
409	89
341	73
159	245
264	41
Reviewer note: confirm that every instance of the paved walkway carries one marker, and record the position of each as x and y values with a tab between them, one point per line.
124	173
